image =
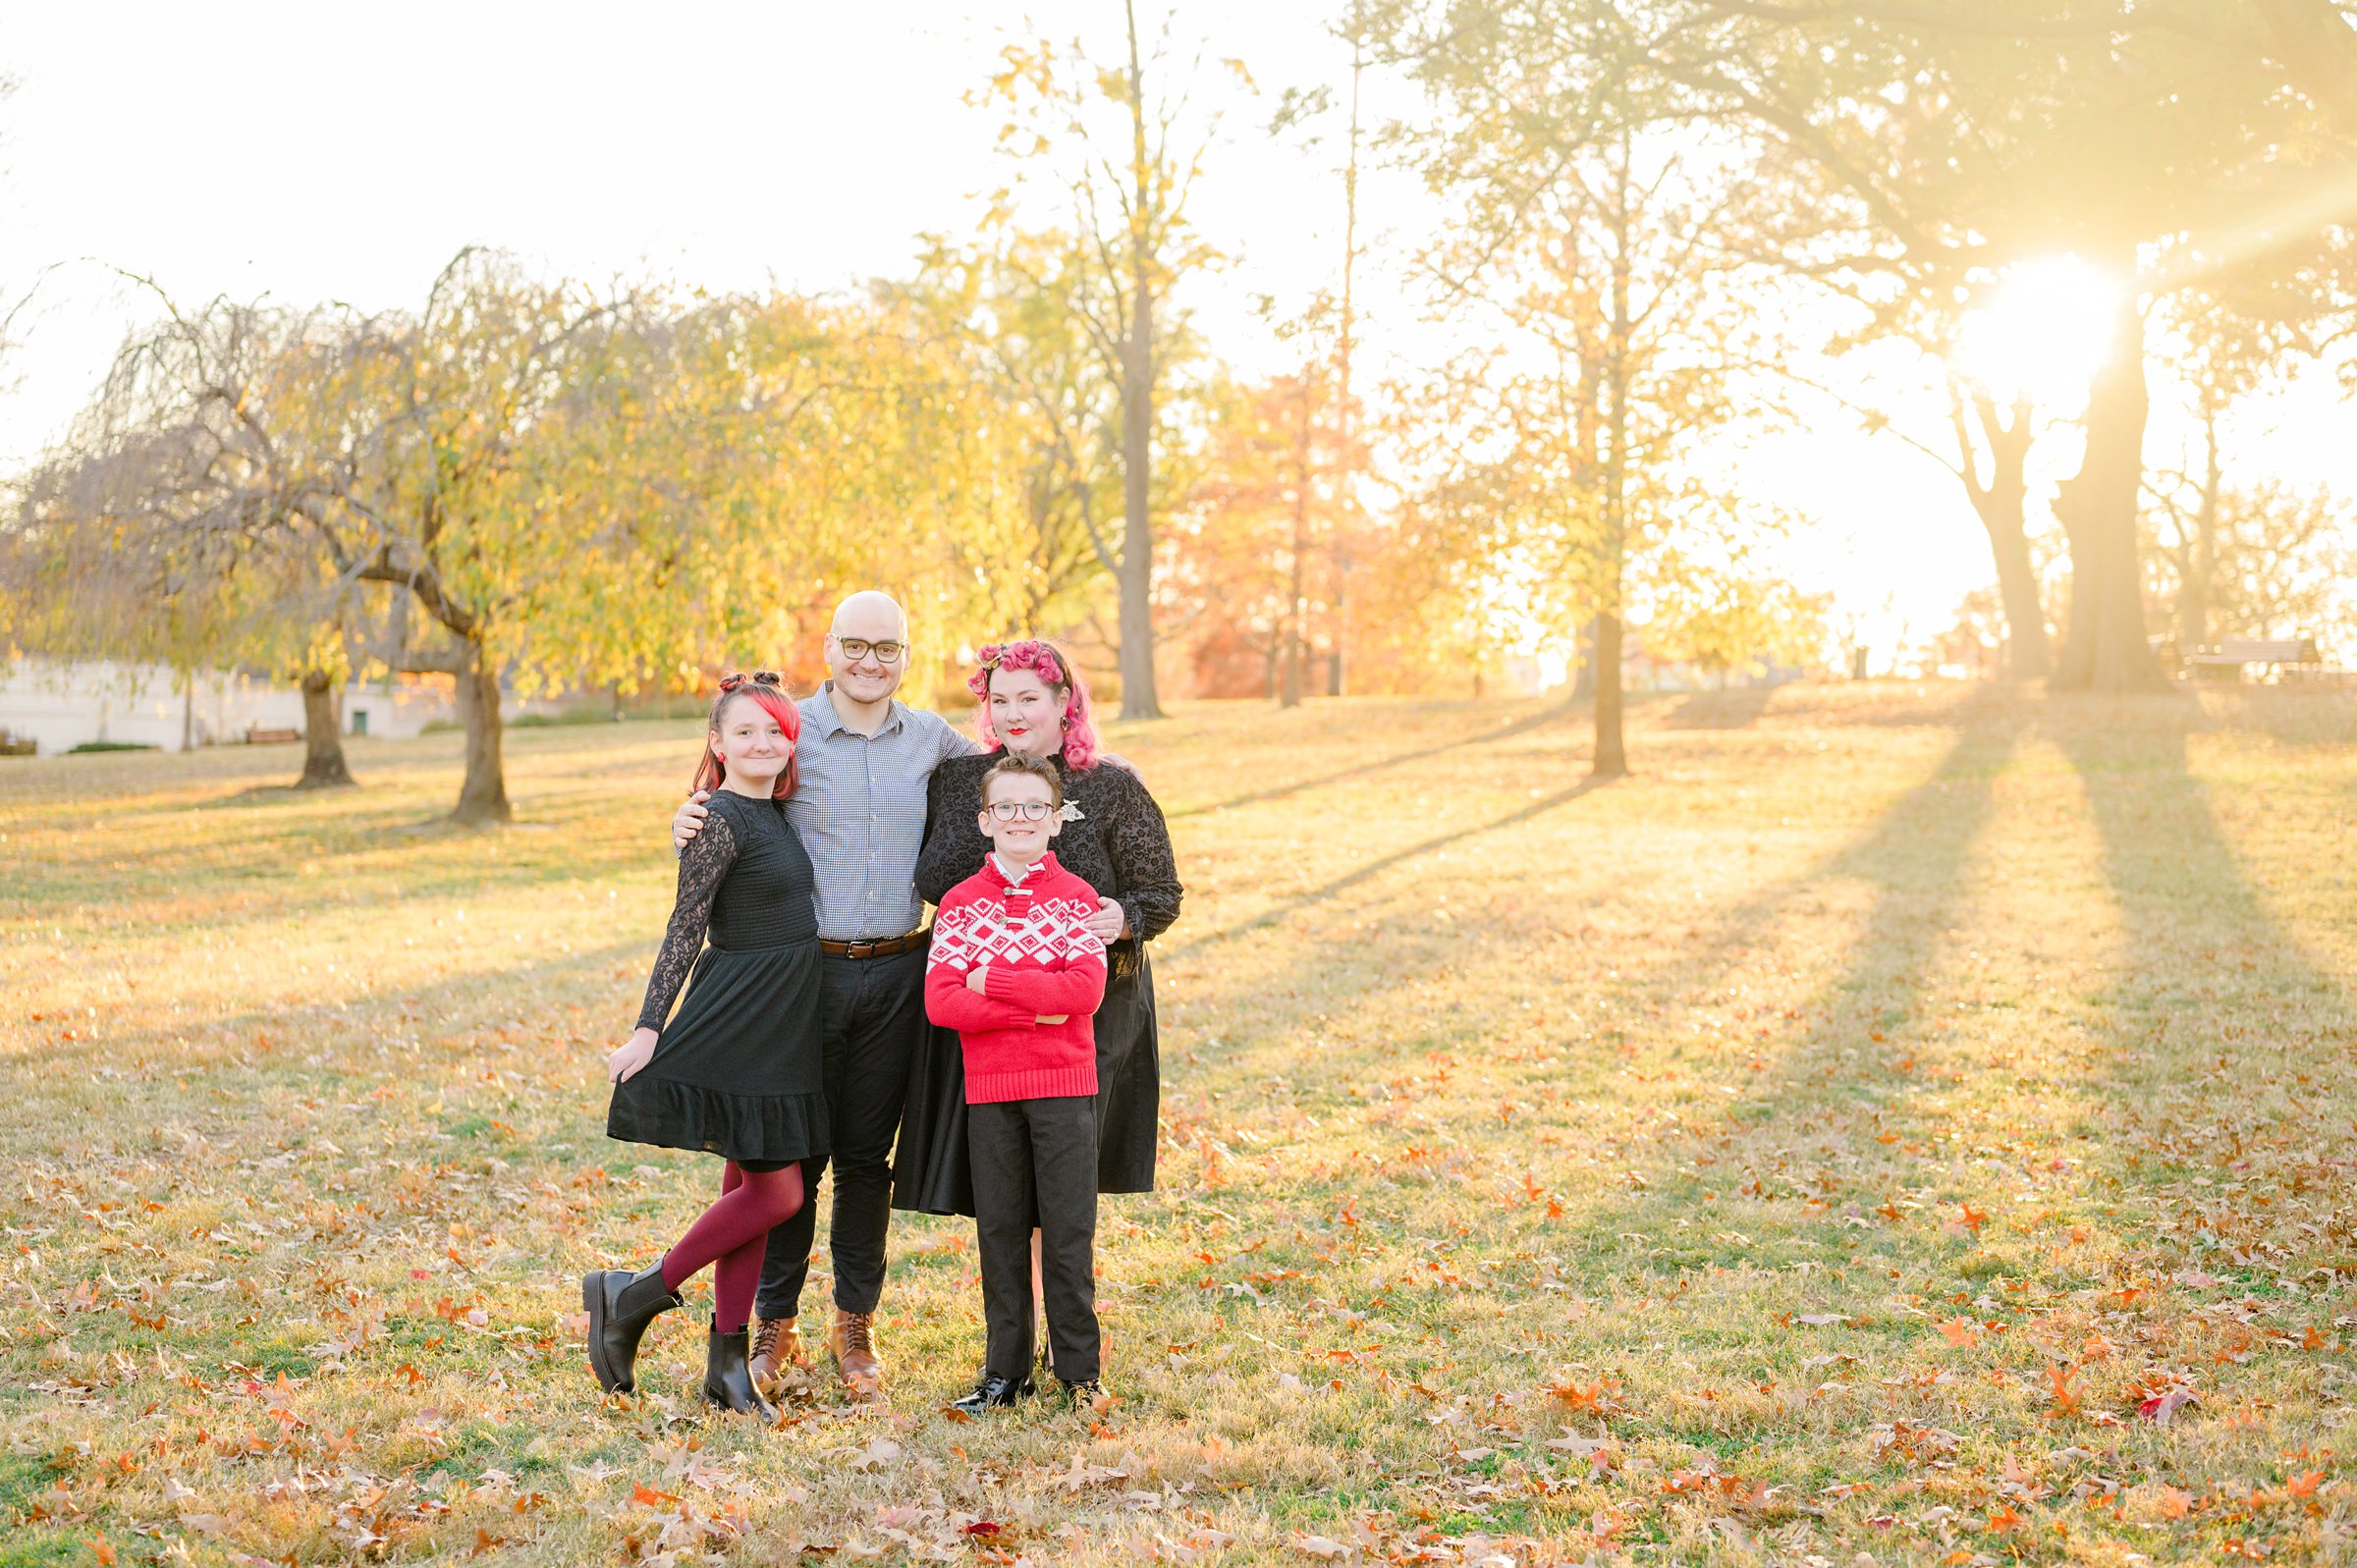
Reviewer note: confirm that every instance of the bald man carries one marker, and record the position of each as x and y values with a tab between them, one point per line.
859	808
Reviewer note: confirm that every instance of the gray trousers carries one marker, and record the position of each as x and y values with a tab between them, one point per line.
1035	1163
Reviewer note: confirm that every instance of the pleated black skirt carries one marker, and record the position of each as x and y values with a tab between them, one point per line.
929	1170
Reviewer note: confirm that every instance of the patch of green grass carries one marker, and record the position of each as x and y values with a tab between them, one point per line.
44	1547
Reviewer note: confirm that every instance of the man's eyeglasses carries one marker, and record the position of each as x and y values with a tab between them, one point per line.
1029	810
856	649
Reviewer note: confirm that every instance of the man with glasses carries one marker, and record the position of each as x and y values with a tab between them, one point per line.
859	808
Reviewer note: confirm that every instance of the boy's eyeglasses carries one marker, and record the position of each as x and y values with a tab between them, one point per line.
856	649
1029	810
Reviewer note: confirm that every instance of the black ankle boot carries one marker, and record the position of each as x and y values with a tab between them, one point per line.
728	1382
621	1305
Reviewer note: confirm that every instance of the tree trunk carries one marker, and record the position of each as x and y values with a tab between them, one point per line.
322	735
1612	757
2028	657
1139	699
2001	507
1346	478
483	796
1289	693
2106	650
1612	753
1583	680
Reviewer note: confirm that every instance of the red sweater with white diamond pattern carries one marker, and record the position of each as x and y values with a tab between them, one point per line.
1041	960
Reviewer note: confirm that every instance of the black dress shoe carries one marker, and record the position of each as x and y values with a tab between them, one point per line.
621	1305
991	1394
729	1381
1084	1394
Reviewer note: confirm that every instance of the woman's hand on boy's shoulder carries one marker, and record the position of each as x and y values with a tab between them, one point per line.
689	820
1123	763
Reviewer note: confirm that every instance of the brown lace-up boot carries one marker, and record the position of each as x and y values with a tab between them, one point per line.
852	1340
777	1345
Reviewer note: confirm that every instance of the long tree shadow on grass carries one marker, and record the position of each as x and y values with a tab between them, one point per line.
141	1066
1728	940
1866	1015
2215	1006
2213	984
1506	732
1374	868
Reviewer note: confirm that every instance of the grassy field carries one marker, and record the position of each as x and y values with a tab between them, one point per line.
1915	1124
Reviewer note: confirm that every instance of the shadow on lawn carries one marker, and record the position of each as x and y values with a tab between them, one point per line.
2208	976
436	1008
1506	732
2205	955
1913	859
263	865
1735	708
1375	868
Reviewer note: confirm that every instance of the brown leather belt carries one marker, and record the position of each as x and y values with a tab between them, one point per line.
879	947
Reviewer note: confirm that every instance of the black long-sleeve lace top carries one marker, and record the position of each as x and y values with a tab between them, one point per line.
1121	847
746	881
703	865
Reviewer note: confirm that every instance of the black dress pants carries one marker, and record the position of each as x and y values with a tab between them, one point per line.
875	1016
1035	1163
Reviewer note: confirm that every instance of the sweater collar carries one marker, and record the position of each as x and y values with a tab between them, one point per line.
999	875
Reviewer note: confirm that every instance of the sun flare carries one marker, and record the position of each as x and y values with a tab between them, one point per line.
2042	333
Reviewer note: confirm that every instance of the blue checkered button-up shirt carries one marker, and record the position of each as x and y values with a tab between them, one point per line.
859	807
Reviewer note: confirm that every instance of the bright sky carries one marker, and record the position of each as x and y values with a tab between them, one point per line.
314	152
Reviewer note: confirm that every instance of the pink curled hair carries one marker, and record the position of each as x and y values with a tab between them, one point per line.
1057	674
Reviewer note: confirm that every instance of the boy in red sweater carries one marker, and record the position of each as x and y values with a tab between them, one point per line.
1014	969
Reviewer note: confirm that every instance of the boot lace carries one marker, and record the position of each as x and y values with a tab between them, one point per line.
856	1333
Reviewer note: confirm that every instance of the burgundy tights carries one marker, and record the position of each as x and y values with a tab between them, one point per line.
731	1236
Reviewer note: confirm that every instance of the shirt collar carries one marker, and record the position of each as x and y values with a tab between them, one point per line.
830	717
1017	876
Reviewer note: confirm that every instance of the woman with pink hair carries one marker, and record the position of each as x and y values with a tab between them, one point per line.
1034	703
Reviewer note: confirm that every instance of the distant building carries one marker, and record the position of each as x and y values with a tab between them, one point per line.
61	704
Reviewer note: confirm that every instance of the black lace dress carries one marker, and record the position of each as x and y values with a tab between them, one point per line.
740	1071
1119	846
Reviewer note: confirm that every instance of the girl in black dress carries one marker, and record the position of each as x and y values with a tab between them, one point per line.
1035	702
739	1072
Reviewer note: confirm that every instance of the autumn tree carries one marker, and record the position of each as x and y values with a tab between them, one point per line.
1591	231
1019	304
177	523
1256	544
2230	552
2169	145
1723	618
1116	142
460	430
